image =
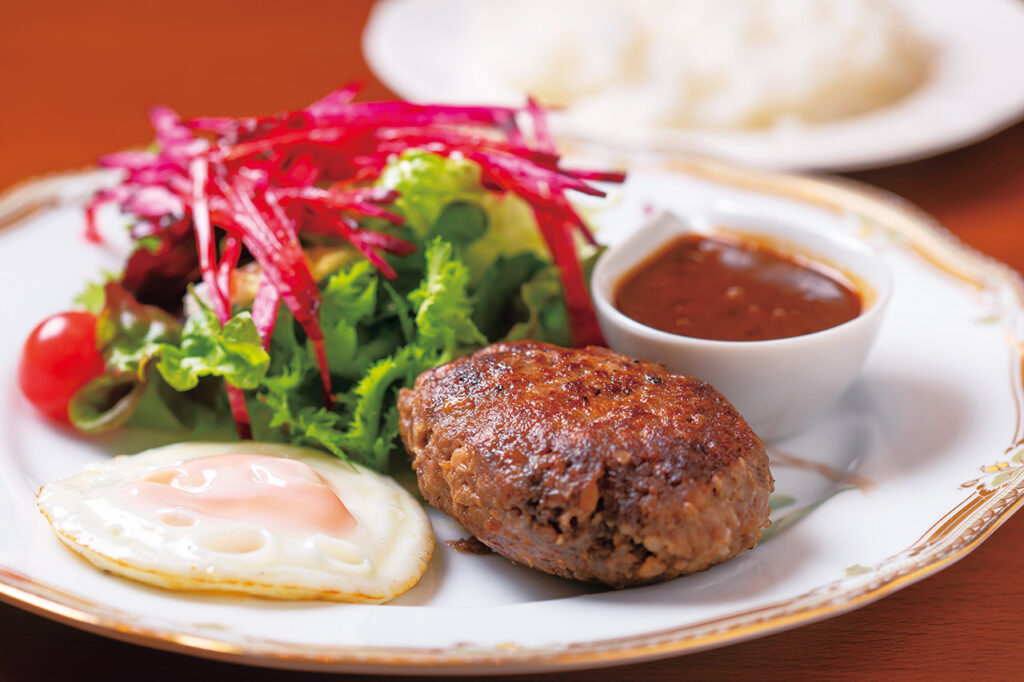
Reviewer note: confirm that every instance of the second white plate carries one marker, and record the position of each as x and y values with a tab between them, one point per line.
417	48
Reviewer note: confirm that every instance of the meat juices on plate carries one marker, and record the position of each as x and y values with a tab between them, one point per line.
587	464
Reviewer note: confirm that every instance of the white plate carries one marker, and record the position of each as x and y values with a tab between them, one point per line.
976	89
914	467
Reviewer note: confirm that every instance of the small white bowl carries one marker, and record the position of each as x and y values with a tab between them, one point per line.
779	385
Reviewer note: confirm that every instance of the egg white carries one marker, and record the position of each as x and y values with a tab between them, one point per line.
382	557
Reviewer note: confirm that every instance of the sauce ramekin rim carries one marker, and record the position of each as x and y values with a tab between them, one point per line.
603	299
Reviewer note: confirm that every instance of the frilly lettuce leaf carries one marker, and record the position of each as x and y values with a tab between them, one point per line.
233	351
511	229
439	324
93	297
427	183
374	426
481	272
107	402
111	401
348	299
546	317
129	334
443	309
442	197
133	338
495	295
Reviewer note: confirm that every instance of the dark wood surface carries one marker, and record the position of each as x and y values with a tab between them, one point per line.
76	79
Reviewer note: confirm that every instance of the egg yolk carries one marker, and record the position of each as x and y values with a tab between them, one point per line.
275	492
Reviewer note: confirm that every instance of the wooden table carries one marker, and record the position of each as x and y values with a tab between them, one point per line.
76	79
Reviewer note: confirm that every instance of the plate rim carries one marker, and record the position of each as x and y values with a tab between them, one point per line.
952	537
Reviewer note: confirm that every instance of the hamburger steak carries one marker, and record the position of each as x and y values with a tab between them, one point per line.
585	463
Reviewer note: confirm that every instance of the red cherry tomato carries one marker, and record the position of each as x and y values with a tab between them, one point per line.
59	358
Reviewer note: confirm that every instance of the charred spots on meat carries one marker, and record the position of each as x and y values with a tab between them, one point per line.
587	464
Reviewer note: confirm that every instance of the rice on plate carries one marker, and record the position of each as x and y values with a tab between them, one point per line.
698	63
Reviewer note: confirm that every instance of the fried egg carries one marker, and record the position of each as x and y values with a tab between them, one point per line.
270	520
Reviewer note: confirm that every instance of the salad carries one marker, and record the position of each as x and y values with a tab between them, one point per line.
290	274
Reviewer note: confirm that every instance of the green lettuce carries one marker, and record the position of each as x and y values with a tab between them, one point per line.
133	338
443	308
233	352
545	316
480	272
500	285
442	197
349	299
365	424
129	334
427	183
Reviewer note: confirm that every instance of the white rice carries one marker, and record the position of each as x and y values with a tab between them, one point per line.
699	63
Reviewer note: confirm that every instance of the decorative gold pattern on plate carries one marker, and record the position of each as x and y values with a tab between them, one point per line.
995	495
27	198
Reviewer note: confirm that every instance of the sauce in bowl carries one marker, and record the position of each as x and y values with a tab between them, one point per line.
728	289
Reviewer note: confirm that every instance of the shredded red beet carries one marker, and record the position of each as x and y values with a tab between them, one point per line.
261	182
216	278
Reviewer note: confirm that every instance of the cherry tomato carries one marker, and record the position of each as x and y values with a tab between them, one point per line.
59	357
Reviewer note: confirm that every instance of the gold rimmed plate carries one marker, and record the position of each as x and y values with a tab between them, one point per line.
919	461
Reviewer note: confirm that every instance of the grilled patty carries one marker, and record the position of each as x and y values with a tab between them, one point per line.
585	463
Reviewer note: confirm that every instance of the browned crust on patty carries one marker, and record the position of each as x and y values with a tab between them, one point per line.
585	463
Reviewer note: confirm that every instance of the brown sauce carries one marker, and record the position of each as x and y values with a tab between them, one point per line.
733	290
